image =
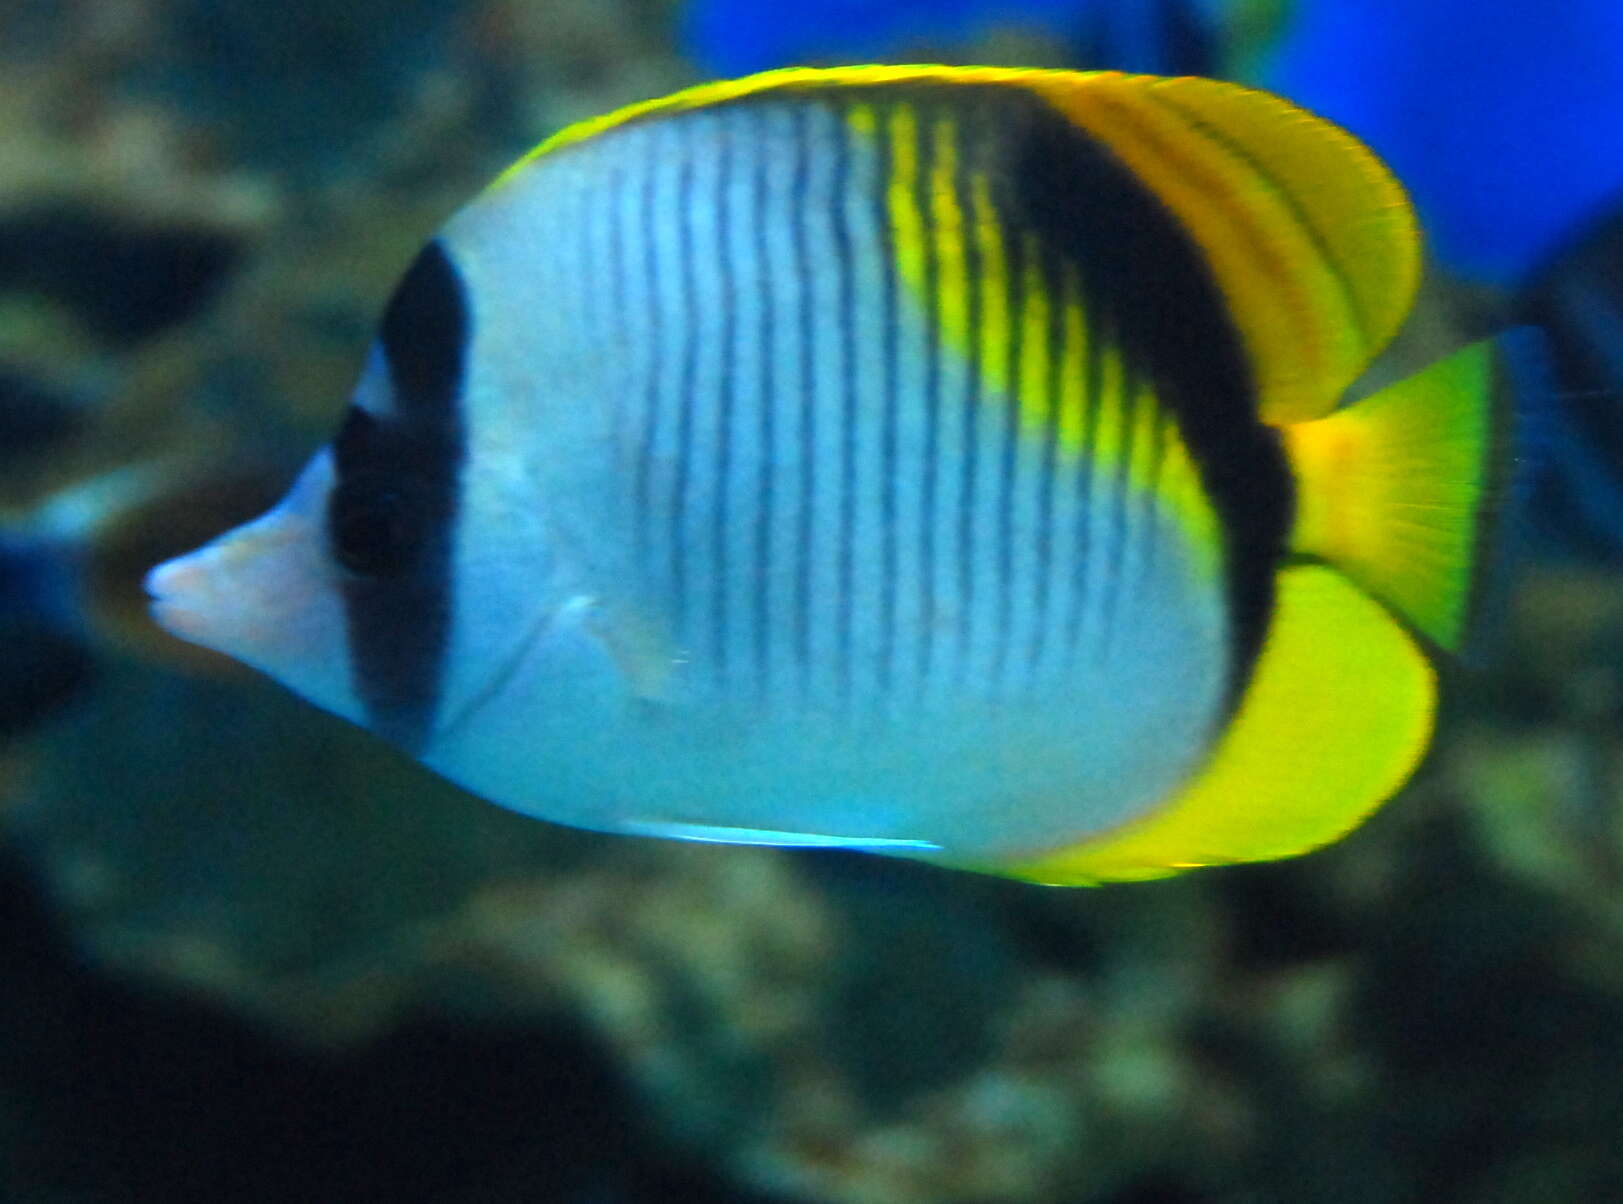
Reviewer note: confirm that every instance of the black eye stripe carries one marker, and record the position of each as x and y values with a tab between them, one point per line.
425	339
393	509
351	446
387	501
377	527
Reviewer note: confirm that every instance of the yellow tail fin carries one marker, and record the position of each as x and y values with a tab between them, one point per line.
1395	490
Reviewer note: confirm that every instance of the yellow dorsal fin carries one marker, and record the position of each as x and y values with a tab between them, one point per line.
1394	490
1337	715
1310	237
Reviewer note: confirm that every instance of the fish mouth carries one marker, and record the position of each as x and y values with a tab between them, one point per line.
167	589
184	594
255	590
166	584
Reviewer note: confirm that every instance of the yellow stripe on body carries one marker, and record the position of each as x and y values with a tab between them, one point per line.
1035	317
1181	488
1073	404
946	233
991	341
1091	425
907	224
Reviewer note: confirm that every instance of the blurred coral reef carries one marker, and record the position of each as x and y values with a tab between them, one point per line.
250	953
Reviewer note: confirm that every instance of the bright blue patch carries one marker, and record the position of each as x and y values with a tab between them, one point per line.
1501	116
736	37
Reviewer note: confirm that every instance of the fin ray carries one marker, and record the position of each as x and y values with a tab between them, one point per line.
1395	489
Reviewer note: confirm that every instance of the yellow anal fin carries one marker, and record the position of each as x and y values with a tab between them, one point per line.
1336	717
1394	490
1311	239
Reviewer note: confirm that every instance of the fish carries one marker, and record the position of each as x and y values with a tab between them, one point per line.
929	461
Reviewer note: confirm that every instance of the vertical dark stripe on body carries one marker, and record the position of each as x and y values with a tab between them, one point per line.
1148	288
845	343
726	402
924	150
889	387
1086	477
1014	258
619	285
805	333
1121	496
687	327
654	369
631	419
392	514
1054	287
768	424
969	421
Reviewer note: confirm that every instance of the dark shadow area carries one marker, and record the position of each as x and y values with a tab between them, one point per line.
1500	1038
44	668
133	1094
1282	916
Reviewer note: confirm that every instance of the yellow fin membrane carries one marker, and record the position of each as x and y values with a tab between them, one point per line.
1336	717
1394	490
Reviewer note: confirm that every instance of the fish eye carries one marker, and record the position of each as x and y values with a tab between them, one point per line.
375	525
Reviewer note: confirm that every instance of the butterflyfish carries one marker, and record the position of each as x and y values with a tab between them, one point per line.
940	462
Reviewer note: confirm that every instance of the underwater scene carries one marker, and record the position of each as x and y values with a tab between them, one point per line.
828	602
